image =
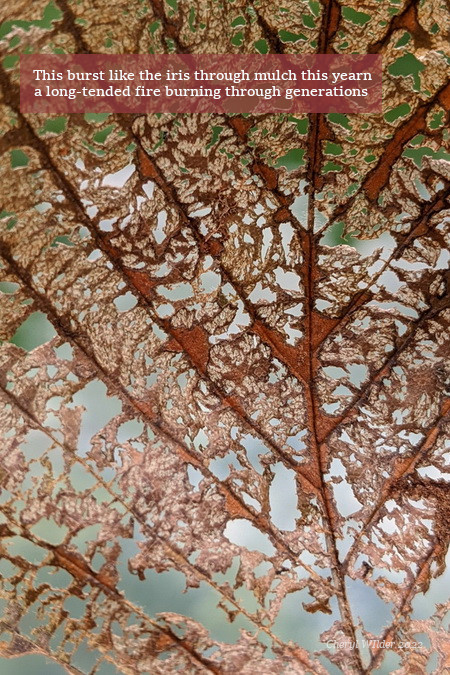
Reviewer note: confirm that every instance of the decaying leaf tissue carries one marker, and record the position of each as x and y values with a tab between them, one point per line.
224	357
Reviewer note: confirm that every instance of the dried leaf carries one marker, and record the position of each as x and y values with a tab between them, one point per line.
224	441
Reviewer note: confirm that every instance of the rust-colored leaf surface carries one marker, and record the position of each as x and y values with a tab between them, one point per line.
224	357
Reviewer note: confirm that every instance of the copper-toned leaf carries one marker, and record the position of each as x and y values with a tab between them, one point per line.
225	357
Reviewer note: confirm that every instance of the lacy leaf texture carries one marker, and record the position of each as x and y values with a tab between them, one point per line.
224	357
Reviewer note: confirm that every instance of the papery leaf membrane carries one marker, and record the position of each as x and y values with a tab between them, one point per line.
224	447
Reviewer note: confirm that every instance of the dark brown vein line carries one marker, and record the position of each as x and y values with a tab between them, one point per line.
407	19
313	176
331	16
271	35
171	28
69	25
